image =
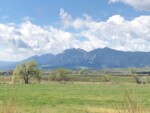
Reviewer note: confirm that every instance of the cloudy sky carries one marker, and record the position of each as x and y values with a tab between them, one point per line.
36	27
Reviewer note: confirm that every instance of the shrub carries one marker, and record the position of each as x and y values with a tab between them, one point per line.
140	79
107	78
60	74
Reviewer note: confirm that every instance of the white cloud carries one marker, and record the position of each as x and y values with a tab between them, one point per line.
27	39
116	32
137	4
67	20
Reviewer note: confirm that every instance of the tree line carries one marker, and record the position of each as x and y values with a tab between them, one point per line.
29	70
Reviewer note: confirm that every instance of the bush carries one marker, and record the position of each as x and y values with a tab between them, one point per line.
140	79
144	80
60	74
107	78
55	78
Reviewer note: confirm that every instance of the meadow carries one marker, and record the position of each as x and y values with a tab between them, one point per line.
74	98
81	94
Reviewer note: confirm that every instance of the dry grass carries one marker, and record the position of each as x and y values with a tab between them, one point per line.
9	106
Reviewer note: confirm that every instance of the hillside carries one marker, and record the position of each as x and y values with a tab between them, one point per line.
98	58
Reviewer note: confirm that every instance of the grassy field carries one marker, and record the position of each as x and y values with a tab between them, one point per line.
87	93
75	97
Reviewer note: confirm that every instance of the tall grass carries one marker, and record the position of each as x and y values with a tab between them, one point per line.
9	106
129	104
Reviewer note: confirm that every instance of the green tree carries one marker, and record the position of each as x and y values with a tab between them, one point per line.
133	71
81	71
26	71
53	75
60	73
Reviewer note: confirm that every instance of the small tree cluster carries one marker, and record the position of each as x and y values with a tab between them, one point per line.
59	74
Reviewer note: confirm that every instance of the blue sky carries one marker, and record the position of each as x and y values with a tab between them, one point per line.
47	11
36	27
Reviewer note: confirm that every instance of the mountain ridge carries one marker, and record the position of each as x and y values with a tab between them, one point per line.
97	58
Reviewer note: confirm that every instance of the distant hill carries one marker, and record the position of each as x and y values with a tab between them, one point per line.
7	65
98	58
46	59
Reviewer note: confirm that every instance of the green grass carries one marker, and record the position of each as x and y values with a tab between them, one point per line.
71	98
100	78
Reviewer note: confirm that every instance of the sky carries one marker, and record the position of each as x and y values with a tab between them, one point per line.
37	27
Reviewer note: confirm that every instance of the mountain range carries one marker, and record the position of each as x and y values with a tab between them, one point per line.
95	59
